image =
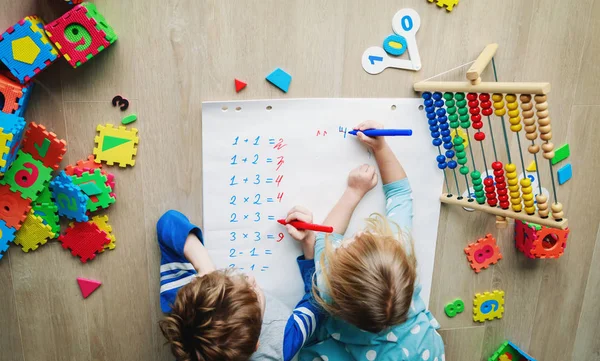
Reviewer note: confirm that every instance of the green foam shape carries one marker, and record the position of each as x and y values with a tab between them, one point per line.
561	153
91	189
110	142
129	119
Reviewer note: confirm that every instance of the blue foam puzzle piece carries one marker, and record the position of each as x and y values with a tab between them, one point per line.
15	125
565	173
70	199
24	100
7	235
529	358
21	70
280	79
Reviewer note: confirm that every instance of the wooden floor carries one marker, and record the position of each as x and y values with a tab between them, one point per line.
172	55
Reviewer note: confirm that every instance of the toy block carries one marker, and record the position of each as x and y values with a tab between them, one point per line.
510	351
561	153
87	286
488	306
27	175
95	178
48	212
564	173
82	164
537	241
483	253
44	146
12	129
84	240
25	49
532	167
7	235
239	85
116	145
13	207
449	4
280	79
16	95
102	223
455	307
80	34
70	199
33	233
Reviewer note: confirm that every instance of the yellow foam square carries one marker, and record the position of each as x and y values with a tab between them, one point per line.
488	306
116	145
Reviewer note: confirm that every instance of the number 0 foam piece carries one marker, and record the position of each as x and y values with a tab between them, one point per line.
33	233
44	146
84	240
488	306
483	253
13	207
116	145
87	286
7	235
70	199
564	173
280	79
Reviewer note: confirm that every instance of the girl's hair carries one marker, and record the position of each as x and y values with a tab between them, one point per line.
370	281
215	317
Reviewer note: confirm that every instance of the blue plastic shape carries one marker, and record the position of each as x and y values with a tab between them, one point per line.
395	45
7	235
565	173
280	79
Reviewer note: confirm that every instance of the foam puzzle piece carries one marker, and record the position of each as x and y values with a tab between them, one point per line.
33	233
561	153
88	163
510	351
483	253
87	286
280	79
78	36
85	240
532	167
116	145
7	235
70	199
101	23
537	241
27	176
449	4
488	306
11	134
96	178
44	146
102	223
564	173
239	85
455	307
13	207
48	212
25	48
16	95
45	197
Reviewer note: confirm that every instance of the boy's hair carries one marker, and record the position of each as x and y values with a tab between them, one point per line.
215	317
370	281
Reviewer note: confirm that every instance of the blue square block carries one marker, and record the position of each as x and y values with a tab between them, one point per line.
7	235
15	125
565	173
280	79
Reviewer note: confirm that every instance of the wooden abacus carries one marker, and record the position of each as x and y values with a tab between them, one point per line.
448	111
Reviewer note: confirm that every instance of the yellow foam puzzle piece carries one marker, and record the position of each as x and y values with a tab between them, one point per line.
102	223
4	148
116	145
532	167
448	3
37	25
25	50
33	233
488	306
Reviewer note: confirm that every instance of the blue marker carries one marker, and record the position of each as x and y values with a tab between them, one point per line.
383	132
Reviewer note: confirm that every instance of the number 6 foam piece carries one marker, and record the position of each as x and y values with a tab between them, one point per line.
405	24
488	306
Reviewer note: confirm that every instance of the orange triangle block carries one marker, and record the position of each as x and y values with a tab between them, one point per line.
87	286
239	85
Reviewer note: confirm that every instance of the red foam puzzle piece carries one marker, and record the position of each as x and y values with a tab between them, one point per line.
239	85
84	240
483	253
44	146
83	164
87	286
13	207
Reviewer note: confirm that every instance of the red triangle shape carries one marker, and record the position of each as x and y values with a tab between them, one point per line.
239	85
87	286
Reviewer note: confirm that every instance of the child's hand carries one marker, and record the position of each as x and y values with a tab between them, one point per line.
305	237
362	179
375	143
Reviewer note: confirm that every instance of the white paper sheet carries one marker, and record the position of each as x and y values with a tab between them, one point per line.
297	152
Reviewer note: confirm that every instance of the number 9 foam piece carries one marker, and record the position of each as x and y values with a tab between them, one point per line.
33	233
483	253
116	145
7	235
488	306
12	129
80	34
44	146
27	175
25	48
70	199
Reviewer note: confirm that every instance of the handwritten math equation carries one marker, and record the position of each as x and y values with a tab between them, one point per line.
256	185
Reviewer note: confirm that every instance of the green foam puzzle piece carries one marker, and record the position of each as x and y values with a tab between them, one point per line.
111	142
561	153
91	189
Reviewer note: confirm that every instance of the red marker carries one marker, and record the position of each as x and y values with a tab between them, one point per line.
307	226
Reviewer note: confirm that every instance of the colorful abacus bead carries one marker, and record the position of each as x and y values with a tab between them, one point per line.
478	187
475	116
513	186
490	191
529	121
441	162
513	113
461	155
460	104
527	195
542	205
498	104
500	185
463	111
486	104
541	107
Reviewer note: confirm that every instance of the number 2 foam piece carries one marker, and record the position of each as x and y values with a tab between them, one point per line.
81	33
116	145
488	306
483	253
280	79
70	199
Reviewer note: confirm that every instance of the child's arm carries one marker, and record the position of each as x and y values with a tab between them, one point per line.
360	181
195	252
